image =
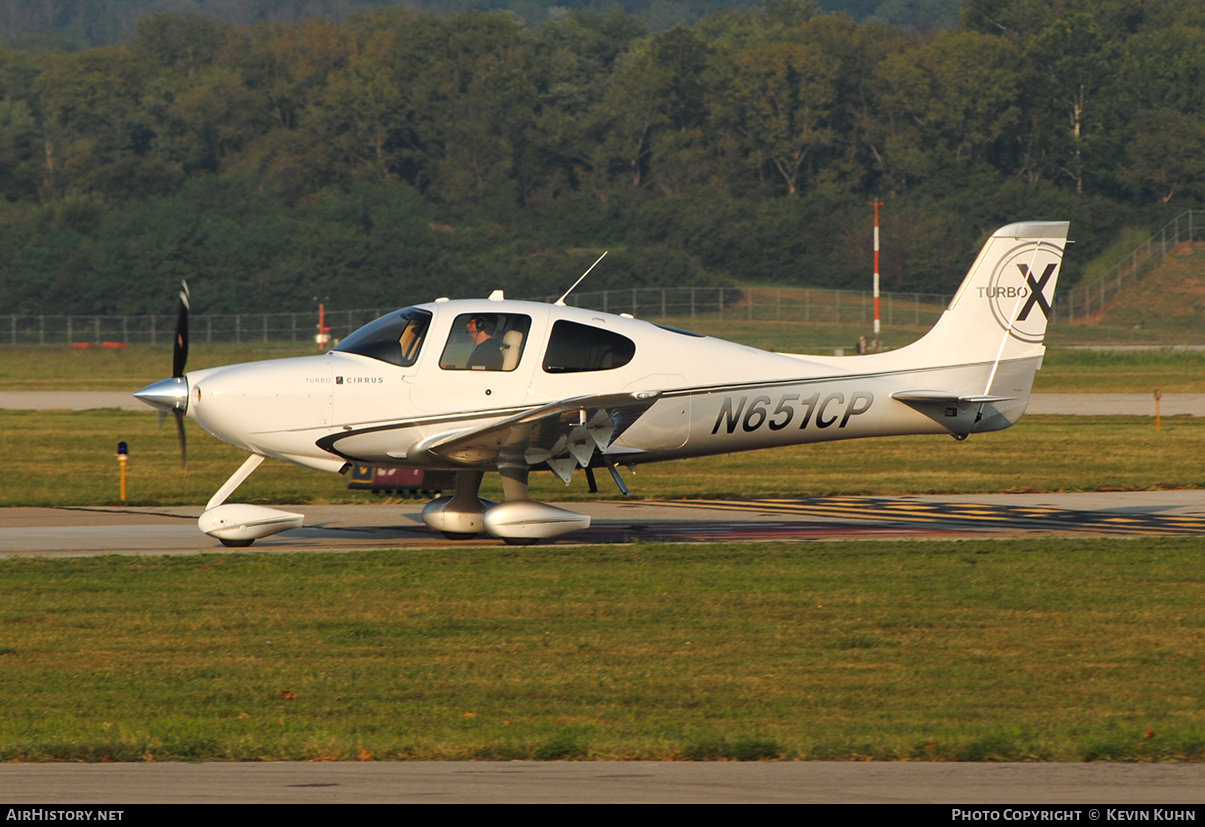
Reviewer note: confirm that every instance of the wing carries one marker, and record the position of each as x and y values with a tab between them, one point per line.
563	434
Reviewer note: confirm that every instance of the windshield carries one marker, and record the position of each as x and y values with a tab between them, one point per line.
396	338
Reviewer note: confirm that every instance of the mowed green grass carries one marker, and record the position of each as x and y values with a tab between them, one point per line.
69	459
1066	370
978	651
58	367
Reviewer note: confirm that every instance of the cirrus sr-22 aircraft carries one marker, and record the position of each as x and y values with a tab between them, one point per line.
491	385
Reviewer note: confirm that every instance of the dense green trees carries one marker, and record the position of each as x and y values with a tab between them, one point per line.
48	24
397	156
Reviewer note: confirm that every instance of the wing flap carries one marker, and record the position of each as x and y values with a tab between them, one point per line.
568	429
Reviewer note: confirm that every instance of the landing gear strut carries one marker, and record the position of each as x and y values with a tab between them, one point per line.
239	525
462	515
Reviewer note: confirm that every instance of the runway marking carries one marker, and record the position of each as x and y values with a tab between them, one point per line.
962	516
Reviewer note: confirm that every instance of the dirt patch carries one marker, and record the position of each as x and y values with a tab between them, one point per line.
1169	295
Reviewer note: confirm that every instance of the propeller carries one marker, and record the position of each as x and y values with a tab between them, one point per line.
172	394
180	347
179	360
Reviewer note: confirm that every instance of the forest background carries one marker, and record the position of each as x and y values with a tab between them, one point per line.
380	156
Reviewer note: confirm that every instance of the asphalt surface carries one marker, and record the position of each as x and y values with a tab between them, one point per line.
72	532
1021	785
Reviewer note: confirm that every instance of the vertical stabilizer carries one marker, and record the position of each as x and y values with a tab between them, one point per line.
1004	304
987	346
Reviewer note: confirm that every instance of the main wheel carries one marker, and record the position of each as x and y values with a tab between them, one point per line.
236	543
520	541
459	535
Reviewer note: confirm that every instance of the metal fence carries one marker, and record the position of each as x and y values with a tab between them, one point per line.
1090	299
673	303
120	330
762	304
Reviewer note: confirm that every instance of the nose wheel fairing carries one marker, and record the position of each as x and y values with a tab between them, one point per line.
241	524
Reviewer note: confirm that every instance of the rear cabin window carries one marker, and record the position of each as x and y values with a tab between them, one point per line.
486	341
578	348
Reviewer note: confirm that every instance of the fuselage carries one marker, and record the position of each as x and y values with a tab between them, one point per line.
409	378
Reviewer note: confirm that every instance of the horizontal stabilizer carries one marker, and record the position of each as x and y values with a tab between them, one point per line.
931	396
960	415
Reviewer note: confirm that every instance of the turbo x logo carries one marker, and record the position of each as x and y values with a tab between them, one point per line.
1036	295
1021	290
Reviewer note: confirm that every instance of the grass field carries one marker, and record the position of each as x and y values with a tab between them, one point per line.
975	651
1068	370
69	458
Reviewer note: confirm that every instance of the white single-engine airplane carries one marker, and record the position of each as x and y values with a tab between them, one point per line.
494	385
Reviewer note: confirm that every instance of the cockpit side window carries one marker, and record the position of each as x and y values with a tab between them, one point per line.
577	348
396	338
486	341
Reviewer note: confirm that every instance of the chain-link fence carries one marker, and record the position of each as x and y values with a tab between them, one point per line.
762	304
207	328
1090	299
673	303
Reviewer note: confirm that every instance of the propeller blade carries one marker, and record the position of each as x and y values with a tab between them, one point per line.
180	346
179	360
183	439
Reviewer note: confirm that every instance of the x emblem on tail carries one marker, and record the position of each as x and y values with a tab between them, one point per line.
1035	291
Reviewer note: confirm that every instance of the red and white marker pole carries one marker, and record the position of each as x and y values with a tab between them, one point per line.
324	332
876	205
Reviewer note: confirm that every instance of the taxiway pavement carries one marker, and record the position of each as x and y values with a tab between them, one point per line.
71	532
628	782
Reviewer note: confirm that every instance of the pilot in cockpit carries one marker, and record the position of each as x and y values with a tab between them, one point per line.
487	351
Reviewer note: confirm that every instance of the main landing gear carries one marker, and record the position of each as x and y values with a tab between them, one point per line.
518	520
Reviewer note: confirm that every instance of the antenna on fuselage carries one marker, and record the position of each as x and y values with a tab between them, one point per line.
561	300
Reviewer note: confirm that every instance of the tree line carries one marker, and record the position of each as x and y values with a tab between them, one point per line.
397	156
75	24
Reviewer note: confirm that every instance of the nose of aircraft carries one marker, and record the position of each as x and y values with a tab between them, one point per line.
166	394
